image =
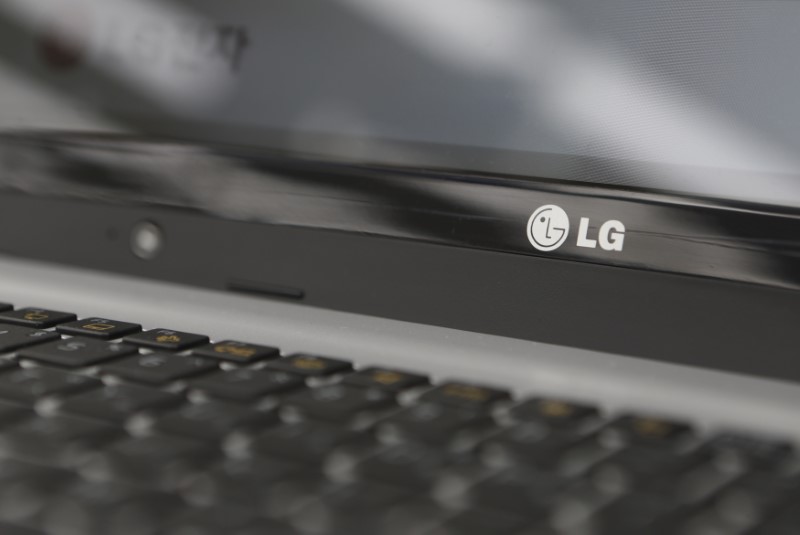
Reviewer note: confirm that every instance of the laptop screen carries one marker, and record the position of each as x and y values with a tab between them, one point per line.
695	97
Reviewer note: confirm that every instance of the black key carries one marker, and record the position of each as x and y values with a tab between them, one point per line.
90	508
223	521
407	465
247	385
26	488
13	337
465	396
251	483
433	423
11	414
5	306
304	442
393	380
530	493
749	451
28	385
261	526
310	365
116	403
784	523
159	368
481	522
417	516
755	497
634	514
358	507
638	467
37	318
529	443
238	352
8	529
167	339
56	439
336	403
102	328
76	352
648	431
553	412
212	420
159	462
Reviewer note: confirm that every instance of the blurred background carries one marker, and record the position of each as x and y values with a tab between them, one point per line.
696	97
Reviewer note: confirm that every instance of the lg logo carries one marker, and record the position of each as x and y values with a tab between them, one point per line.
548	229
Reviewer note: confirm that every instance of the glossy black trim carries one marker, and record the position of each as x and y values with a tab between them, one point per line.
742	328
440	248
665	232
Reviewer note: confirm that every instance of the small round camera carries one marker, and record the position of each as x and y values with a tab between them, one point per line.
147	240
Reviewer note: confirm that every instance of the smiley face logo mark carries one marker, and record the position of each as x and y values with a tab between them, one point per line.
548	227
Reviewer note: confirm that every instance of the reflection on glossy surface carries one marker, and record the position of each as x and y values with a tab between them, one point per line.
652	93
663	232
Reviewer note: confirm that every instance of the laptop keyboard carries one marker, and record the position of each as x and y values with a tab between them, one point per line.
107	428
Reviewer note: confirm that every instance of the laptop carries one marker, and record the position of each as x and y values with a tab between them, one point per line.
409	268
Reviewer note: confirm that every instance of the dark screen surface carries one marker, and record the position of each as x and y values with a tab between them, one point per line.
694	98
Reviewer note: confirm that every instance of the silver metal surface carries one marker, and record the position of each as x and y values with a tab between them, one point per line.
712	399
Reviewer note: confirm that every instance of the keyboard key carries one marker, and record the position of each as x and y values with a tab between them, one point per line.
417	516
11	414
116	403
28	385
261	526
159	368
647	431
156	462
742	451
8	529
221	521
91	508
431	423
465	396
387	379
636	467
406	465
212	420
633	514
481	522
336	403
55	440
784	523
37	318
310	365
250	483
238	352
5	306
755	497
26	488
529	493
167	340
246	385
529	444
305	441
357	507
102	328
76	352
553	412
13	337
